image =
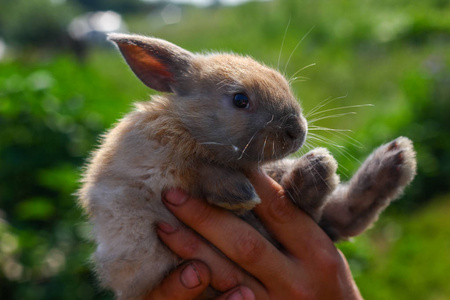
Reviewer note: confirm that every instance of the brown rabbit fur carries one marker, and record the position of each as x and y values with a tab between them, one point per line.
222	116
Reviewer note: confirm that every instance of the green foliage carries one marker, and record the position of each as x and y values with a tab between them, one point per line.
404	257
124	6
51	114
35	22
393	54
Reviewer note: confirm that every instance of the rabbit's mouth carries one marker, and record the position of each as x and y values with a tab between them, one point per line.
279	147
276	141
289	137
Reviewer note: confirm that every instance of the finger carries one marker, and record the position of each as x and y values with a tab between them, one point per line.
290	226
353	287
237	240
225	275
187	282
239	293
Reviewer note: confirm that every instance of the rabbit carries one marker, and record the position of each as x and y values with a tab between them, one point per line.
219	117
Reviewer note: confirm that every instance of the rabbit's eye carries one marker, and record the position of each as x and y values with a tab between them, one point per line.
240	100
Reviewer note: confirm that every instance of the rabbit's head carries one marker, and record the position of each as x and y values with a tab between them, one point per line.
242	111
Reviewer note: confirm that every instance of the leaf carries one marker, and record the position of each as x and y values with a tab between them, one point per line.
38	208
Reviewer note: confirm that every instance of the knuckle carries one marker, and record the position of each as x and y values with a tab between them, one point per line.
281	208
249	247
184	242
329	262
202	216
190	246
229	280
297	291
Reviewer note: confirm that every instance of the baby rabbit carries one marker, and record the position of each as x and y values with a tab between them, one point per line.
222	116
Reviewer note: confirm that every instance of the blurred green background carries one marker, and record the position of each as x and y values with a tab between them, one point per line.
61	86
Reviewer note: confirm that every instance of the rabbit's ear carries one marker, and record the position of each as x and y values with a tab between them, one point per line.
157	63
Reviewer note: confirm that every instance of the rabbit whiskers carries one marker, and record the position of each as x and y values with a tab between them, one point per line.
316	134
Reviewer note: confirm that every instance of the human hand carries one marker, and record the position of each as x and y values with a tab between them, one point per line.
308	266
189	281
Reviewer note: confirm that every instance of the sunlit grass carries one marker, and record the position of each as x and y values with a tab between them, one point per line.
404	256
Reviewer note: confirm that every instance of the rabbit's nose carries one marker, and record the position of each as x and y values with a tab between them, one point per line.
295	128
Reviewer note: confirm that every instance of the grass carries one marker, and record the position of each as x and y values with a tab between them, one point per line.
404	256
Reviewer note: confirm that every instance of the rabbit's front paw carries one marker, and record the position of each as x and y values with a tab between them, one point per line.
228	188
311	179
238	197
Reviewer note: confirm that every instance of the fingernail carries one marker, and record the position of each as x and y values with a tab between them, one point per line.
190	277
176	197
243	293
166	227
